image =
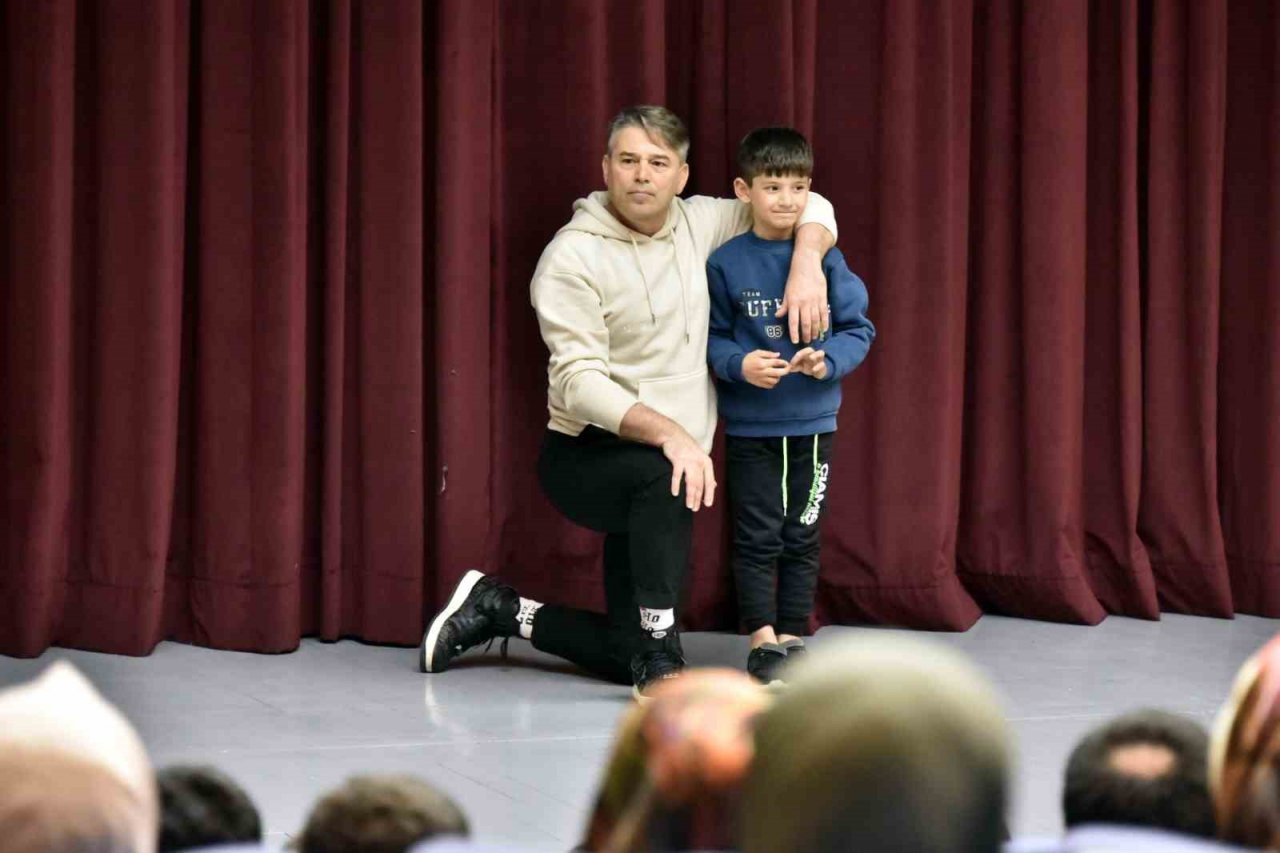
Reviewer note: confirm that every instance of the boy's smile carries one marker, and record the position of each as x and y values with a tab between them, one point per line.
776	203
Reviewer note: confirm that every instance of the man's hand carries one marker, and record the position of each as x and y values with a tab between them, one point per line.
810	362
689	463
805	301
763	369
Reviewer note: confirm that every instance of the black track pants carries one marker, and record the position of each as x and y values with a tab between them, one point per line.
622	489
777	490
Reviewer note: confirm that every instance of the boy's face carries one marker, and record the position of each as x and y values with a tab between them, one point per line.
642	177
776	202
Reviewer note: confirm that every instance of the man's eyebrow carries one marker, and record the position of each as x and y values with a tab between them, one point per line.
660	156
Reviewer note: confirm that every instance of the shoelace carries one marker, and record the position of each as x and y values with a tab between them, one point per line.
502	649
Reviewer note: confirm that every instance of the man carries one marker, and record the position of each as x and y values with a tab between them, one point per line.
621	297
1147	768
1138	783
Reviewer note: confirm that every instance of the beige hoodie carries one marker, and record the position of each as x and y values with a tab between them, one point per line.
625	315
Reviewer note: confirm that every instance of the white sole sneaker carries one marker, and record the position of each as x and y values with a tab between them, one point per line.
460	593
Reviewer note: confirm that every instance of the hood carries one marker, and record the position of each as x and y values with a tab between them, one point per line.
591	215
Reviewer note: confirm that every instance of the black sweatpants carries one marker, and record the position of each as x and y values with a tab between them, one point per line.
622	489
777	490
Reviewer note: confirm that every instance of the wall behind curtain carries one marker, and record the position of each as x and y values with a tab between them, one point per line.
269	367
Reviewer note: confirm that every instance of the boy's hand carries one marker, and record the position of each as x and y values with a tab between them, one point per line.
763	369
809	361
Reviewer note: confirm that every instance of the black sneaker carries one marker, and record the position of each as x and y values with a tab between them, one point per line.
651	668
480	609
765	663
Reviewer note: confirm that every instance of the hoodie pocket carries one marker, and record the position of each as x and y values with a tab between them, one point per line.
688	399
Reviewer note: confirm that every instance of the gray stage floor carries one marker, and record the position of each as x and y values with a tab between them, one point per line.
520	744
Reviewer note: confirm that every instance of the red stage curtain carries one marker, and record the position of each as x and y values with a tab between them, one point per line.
269	368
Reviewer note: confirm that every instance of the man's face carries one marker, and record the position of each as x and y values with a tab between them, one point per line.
776	202
642	177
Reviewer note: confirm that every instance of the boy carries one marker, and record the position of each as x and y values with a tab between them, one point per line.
778	402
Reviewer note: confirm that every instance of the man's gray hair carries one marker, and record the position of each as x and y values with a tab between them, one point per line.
662	126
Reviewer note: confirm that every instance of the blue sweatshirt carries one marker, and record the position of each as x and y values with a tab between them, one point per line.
747	277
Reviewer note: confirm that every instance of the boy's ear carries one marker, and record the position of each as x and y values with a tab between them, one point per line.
742	190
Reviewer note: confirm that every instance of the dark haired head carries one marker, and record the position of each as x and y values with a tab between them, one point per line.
1147	768
200	807
380	813
774	151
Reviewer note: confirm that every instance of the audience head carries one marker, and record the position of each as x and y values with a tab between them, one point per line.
881	743
677	762
201	807
74	775
1147	768
1244	755
380	814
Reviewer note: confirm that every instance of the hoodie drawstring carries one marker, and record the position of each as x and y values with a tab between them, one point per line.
684	281
648	294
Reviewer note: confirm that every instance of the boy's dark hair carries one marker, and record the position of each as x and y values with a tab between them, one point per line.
380	814
201	807
774	151
1096	790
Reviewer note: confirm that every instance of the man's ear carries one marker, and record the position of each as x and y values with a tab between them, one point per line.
604	168
741	190
683	178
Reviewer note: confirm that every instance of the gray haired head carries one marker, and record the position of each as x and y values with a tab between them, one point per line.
663	127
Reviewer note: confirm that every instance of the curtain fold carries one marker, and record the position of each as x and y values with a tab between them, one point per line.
1119	569
234	578
461	343
36	427
270	368
894	495
384	442
1022	513
1178	514
1248	377
128	256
